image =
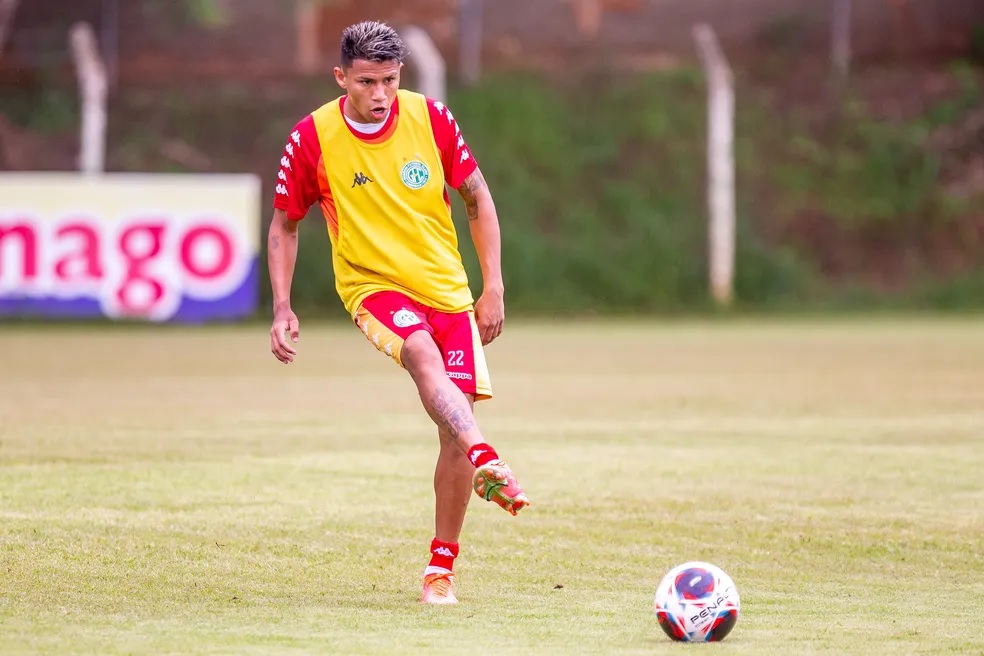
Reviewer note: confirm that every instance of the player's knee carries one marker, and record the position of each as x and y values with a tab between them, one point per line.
421	357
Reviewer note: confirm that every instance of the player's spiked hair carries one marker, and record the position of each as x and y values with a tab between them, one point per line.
373	41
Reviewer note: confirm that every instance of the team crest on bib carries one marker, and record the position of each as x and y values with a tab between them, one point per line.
415	174
405	318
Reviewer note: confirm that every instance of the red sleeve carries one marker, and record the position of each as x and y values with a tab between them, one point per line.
455	154
297	181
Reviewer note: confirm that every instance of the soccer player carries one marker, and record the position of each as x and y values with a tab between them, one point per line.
378	160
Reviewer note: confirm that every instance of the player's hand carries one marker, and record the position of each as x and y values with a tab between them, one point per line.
284	322
490	314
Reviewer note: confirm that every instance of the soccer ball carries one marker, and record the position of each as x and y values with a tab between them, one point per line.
697	602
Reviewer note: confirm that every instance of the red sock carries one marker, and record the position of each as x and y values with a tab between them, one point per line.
481	454
443	554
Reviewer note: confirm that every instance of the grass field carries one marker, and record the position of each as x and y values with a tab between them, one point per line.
178	491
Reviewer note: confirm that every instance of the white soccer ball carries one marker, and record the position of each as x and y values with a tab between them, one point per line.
697	602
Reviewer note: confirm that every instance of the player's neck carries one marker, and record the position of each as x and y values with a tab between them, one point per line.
361	127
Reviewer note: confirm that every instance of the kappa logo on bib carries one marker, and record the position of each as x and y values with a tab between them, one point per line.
415	174
405	319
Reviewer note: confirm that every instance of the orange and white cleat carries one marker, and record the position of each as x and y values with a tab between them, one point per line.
439	589
495	482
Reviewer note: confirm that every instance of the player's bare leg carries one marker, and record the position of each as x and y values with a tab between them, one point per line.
460	438
444	402
452	489
451	411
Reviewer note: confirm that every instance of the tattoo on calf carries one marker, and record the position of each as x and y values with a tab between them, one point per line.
451	414
275	242
472	184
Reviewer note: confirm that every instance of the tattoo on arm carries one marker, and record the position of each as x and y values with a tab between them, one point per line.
472	184
451	414
287	227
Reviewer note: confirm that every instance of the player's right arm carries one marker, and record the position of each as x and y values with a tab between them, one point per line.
297	189
281	257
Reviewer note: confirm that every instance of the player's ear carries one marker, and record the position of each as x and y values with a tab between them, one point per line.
340	77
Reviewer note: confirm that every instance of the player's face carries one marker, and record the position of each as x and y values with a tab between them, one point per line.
371	88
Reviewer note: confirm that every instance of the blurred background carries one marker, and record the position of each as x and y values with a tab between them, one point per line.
858	150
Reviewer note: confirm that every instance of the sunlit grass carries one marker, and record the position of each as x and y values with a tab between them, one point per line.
179	491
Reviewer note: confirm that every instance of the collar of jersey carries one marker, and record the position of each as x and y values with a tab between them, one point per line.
380	137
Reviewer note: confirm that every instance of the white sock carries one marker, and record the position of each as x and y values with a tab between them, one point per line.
430	569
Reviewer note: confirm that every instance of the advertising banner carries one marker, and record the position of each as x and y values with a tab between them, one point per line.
153	247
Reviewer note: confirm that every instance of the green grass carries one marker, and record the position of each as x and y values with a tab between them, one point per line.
177	491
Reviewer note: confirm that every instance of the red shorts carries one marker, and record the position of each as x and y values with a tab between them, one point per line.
389	318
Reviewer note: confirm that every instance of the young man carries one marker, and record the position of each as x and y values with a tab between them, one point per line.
377	160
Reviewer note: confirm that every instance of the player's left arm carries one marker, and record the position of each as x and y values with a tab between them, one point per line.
461	172
490	312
